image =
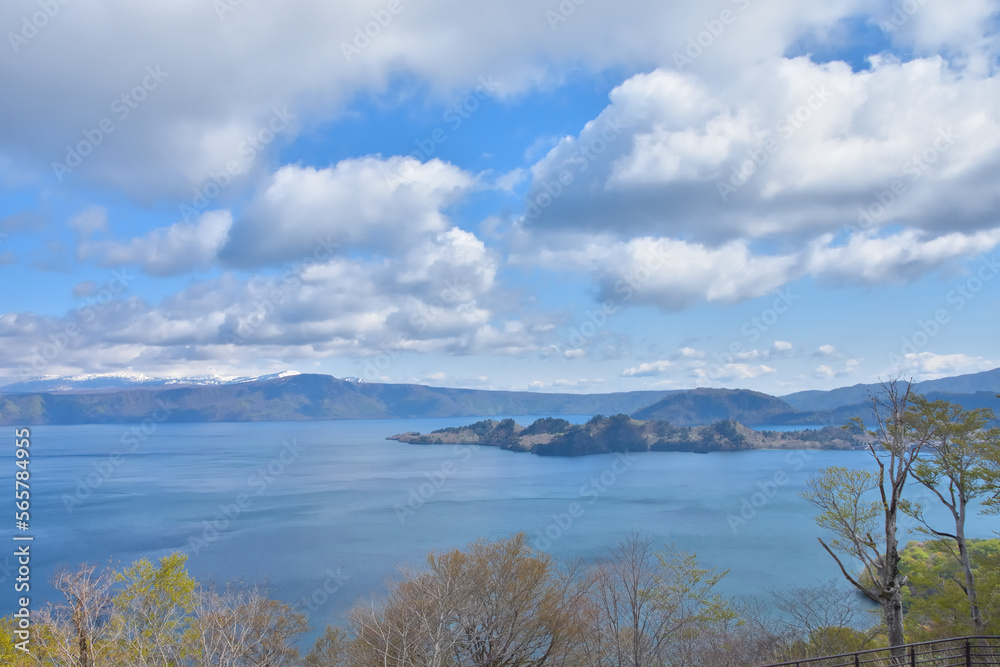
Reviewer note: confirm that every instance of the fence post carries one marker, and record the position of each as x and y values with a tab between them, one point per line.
913	657
857	660
968	653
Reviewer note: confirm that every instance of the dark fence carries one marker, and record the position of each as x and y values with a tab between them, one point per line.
958	652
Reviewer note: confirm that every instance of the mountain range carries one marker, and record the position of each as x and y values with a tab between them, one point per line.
297	397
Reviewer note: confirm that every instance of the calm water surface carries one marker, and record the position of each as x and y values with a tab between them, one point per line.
299	505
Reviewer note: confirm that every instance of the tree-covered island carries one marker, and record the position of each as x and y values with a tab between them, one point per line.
620	433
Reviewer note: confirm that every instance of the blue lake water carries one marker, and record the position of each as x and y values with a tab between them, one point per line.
311	504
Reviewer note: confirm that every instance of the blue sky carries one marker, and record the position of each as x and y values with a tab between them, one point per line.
576	196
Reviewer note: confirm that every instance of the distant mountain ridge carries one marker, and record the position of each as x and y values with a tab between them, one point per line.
972	383
116	381
299	397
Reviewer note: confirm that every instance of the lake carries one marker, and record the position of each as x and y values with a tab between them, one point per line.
314	507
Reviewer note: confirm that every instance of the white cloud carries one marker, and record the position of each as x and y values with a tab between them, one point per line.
180	248
826	350
650	369
930	366
385	204
90	220
439	298
782	346
824	372
826	139
672	275
725	373
223	78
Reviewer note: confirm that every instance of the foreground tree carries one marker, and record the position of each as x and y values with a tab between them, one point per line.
647	608
332	649
243	627
156	615
823	620
153	611
865	530
498	603
78	632
957	469
936	602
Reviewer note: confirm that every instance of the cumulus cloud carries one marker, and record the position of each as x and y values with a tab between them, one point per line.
91	220
370	202
930	365
849	177
650	369
824	372
672	274
441	297
222	79
814	144
724	373
179	248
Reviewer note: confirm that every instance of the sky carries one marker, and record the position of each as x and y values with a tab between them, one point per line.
574	196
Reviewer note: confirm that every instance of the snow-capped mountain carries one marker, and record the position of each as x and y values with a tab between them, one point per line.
113	381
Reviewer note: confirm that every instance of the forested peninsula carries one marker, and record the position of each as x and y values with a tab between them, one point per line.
620	433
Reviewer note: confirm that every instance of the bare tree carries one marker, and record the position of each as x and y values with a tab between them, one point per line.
244	628
630	625
332	649
497	603
77	631
647	607
864	530
824	619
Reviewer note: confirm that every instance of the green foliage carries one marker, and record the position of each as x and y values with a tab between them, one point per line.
729	432
839	493
547	425
936	603
832	640
8	654
159	616
154	609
